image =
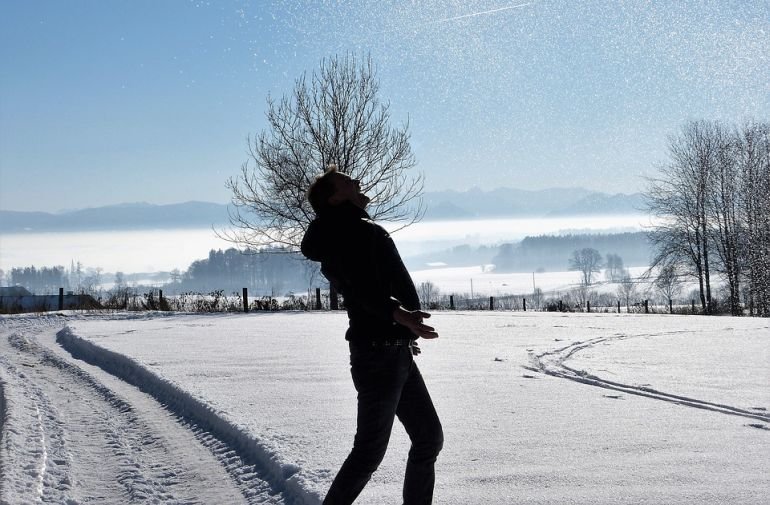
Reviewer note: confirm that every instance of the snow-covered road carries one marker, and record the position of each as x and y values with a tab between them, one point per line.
75	434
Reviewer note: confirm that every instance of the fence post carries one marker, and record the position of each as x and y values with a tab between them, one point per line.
245	299
693	306
451	302
588	305
561	308
334	303
618	306
318	305
525	304
61	298
646	307
491	303
670	307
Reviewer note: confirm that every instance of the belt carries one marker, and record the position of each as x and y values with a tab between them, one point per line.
398	342
394	342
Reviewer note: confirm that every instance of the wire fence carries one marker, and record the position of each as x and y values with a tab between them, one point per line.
573	298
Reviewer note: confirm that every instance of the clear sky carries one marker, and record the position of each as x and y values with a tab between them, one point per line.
112	101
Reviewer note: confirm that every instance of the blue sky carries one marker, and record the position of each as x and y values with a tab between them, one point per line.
111	101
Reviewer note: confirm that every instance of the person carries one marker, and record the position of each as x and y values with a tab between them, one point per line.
361	261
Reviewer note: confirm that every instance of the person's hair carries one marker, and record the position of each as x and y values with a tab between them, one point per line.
321	189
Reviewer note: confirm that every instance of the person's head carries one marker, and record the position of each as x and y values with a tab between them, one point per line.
334	188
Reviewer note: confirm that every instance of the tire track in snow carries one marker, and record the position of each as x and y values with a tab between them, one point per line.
243	455
33	437
67	438
553	363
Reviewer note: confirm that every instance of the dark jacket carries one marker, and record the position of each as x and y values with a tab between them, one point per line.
360	259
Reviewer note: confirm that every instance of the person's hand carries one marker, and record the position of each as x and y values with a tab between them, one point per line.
412	319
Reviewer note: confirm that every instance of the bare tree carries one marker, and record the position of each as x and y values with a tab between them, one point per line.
120	293
714	210
537	297
668	282
312	271
614	267
587	261
584	295
626	289
428	294
334	116
175	276
754	172
680	199
723	207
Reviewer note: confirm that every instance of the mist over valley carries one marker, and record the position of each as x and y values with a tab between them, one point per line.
504	230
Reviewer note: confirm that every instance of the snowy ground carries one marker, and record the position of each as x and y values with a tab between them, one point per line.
537	408
484	281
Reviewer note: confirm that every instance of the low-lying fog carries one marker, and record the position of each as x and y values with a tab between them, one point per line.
165	250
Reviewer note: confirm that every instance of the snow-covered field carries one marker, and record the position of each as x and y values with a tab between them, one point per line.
485	281
538	408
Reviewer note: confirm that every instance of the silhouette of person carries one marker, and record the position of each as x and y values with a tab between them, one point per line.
361	261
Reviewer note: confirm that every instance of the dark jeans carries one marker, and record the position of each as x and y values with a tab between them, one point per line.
389	385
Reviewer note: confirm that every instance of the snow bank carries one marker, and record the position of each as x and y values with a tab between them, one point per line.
284	477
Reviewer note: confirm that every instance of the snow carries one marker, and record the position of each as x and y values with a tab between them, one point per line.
537	407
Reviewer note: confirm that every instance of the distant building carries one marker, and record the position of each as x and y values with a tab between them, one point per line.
16	299
14	291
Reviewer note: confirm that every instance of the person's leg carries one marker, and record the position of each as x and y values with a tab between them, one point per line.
378	375
416	412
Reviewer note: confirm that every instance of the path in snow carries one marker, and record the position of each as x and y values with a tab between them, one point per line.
74	434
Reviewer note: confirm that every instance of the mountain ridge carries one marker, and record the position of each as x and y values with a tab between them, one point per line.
473	203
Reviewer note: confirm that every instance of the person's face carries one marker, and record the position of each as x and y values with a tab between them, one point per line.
348	190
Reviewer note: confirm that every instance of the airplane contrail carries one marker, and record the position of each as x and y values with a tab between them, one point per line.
455	18
474	14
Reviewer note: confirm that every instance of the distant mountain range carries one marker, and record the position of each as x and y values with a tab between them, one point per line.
130	216
471	204
507	202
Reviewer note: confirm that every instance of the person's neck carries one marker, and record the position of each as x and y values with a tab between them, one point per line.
347	209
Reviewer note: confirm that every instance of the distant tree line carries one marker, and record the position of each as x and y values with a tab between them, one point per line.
272	271
43	280
551	252
712	199
48	280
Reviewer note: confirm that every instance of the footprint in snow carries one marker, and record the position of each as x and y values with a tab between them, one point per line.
500	360
527	376
759	408
759	426
614	397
